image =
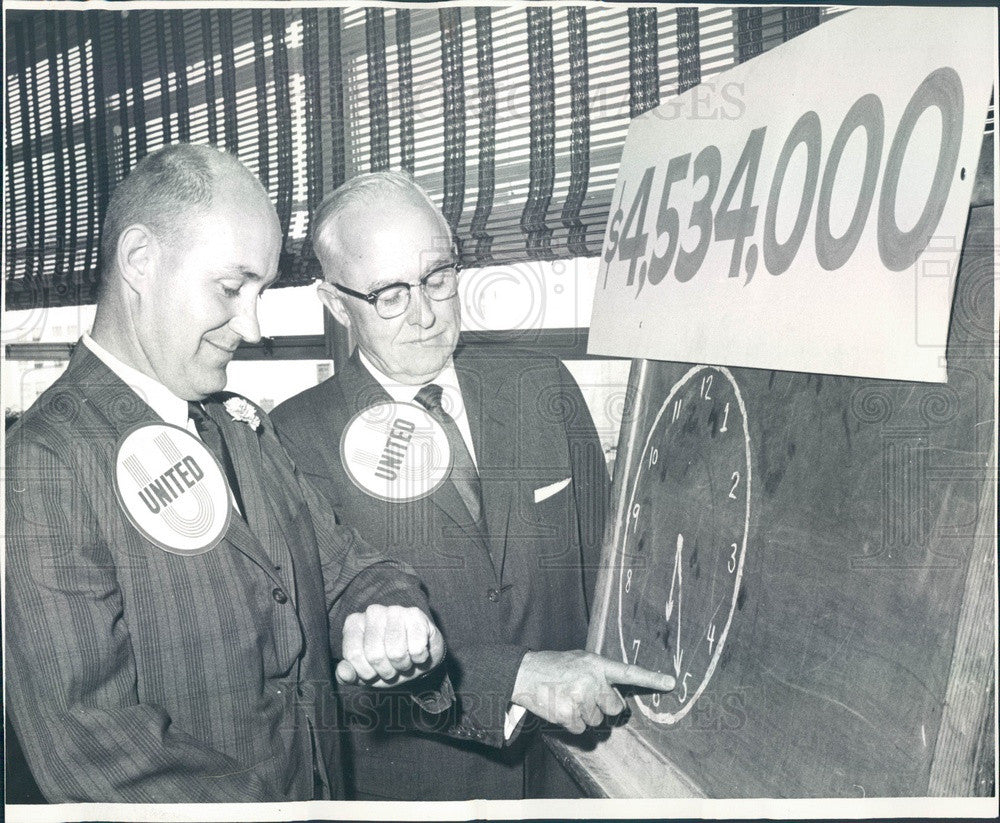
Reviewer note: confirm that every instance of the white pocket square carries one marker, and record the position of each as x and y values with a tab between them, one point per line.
546	492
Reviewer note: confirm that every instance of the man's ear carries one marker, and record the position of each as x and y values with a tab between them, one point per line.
330	297
136	252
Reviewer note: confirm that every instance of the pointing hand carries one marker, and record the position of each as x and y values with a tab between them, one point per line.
574	688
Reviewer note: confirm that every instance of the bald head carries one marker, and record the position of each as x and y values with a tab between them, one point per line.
166	189
336	222
190	241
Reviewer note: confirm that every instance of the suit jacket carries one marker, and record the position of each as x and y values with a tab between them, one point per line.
135	674
525	587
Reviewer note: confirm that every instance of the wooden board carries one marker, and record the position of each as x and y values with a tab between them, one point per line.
855	553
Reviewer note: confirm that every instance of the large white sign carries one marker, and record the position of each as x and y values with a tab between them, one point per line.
807	224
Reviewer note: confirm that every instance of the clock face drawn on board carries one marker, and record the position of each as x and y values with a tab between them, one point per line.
685	536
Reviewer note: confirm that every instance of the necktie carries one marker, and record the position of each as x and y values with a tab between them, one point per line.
463	471
211	436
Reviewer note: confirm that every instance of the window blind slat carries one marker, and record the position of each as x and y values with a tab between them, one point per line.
91	152
224	22
454	115
282	118
486	177
54	232
337	123
208	55
163	73
542	160
12	200
260	84
314	103
121	149
34	138
749	37
644	87
179	65
405	74
138	97
378	107
796	21
67	169
688	49
580	128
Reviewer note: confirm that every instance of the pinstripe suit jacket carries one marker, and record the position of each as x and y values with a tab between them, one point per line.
134	674
524	587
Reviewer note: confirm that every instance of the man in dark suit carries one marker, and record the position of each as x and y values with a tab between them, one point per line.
507	545
175	593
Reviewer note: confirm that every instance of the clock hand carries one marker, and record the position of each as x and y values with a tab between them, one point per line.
678	580
673	580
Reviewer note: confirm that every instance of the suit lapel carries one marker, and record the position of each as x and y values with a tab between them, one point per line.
483	394
105	392
254	534
448	500
362	390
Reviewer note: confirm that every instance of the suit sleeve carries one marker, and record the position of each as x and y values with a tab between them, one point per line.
591	483
71	676
355	574
485	685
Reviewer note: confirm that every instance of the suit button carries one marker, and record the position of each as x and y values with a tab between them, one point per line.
493	595
279	596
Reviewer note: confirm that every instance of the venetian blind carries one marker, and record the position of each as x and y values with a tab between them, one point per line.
513	118
88	93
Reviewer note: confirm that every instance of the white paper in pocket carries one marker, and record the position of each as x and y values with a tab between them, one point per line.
546	492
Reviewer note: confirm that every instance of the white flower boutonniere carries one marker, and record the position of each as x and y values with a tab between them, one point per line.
240	408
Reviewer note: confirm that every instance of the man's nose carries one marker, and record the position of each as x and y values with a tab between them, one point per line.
420	312
245	322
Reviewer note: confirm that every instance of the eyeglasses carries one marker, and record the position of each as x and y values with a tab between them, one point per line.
393	300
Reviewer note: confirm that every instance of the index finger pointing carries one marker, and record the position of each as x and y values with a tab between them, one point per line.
627	674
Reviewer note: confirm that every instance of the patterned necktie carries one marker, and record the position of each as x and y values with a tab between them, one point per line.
211	436
463	471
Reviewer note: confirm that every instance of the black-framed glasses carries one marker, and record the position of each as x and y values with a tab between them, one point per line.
391	301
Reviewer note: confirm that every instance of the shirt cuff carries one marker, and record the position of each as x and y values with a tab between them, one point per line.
514	715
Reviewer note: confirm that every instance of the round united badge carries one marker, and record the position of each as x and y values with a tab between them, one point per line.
172	489
395	451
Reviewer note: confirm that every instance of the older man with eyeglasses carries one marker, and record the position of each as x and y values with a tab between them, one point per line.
507	545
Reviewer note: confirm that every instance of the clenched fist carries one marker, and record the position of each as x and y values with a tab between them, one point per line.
389	645
574	689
